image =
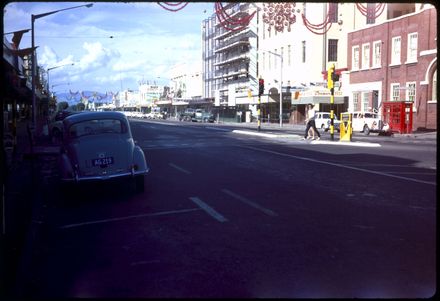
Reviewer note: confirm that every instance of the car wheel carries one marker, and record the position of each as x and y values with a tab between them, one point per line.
139	183
366	130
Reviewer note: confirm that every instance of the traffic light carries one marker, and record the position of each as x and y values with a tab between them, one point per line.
260	87
335	77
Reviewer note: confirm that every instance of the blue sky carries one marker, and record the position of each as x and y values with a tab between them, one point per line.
146	42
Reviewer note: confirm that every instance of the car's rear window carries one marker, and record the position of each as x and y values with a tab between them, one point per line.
97	127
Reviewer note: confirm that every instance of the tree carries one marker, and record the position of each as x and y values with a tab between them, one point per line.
62	105
80	106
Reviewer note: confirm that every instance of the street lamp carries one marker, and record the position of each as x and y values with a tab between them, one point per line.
55	68
33	18
60	85
281	86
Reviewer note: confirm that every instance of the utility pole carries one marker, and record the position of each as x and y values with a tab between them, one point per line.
330	85
260	92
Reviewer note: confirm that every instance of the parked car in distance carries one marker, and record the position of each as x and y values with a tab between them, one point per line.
99	146
323	120
154	115
201	116
55	126
366	122
187	115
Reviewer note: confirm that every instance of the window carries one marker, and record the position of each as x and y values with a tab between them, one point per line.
365	56
365	102
303	51
434	87
371	13
282	54
377	51
395	51
333	12
332	50
355	101
264	30
412	47
355	58
395	92
269	58
410	94
288	55
410	91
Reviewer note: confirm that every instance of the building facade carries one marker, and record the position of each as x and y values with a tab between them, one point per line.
307	53
396	60
230	61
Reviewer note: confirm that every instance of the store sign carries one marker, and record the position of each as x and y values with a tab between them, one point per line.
321	92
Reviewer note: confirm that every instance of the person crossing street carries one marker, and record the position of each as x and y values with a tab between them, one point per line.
310	122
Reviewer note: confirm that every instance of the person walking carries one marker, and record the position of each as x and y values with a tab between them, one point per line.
310	122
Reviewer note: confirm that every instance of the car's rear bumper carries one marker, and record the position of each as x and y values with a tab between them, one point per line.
106	177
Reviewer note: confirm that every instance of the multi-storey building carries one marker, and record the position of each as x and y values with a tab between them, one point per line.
129	100
396	60
186	86
16	87
307	54
149	94
230	61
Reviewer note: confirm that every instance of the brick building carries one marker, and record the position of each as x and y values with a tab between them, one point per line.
396	60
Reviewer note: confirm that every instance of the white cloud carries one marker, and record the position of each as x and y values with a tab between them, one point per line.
48	57
97	56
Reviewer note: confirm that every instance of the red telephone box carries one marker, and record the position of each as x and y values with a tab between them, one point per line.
398	115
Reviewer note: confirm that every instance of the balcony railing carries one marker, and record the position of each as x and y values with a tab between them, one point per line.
240	57
231	45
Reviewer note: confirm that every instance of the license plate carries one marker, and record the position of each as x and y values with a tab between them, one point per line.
103	161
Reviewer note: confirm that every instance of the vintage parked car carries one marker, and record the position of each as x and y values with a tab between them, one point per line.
322	121
367	122
202	116
99	146
56	123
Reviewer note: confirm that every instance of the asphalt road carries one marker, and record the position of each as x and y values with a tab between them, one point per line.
226	214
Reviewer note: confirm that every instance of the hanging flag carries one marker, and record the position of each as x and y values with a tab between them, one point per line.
16	39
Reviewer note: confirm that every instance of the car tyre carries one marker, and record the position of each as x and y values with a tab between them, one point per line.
139	182
366	130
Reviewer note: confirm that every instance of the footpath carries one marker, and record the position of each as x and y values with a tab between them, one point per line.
23	169
295	131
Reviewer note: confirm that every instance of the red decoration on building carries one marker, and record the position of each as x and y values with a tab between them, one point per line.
230	22
173	6
369	12
323	27
279	15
